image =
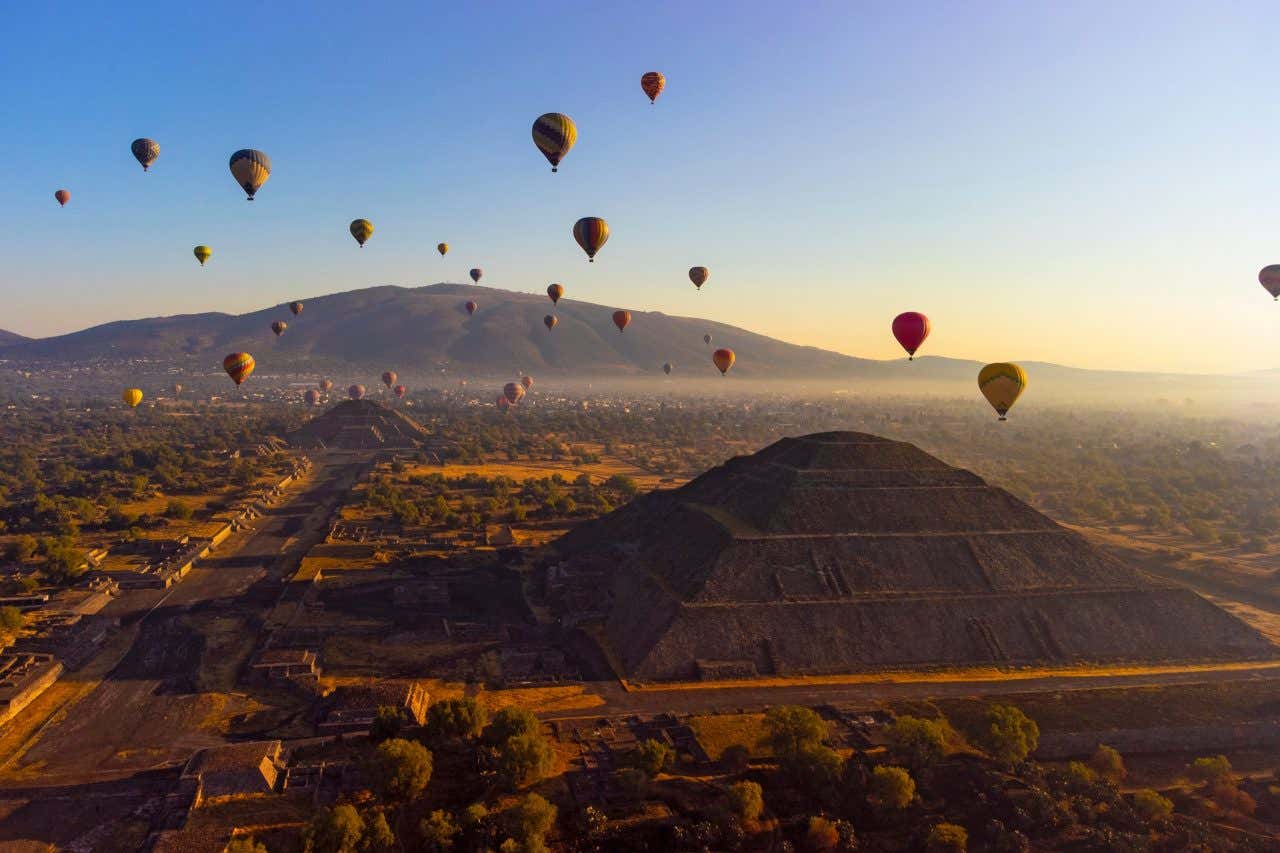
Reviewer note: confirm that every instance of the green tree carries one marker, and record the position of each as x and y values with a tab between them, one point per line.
1210	770
20	549
12	619
745	800
1152	807
736	758
509	723
455	718
387	723
791	728
400	770
947	837
525	758
244	844
1108	764
439	831
652	756
530	820
918	743
1008	735
377	836
336	830
892	787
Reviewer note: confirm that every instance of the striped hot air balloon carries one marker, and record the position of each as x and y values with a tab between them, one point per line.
442	248
652	84
554	134
555	291
326	385
362	230
513	391
699	276
591	232
550	321
356	392
400	391
1002	384
278	327
471	307
296	308
146	151
723	359
313	397
202	253
527	382
251	169
238	366
666	368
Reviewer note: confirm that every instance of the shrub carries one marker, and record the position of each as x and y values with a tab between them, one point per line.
244	844
790	728
439	831
377	836
1108	764
892	787
948	836
525	758
1009	735
1210	770
652	756
530	820
386	724
336	830
1151	806
917	742
179	510
11	619
508	723
821	834
455	718
745	800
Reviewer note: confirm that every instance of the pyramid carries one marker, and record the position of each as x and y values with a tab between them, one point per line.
361	425
846	552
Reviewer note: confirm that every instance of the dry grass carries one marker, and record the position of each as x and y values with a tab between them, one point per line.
719	731
572	697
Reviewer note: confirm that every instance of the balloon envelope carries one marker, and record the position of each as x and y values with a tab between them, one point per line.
132	397
400	391
652	84
555	291
356	392
513	391
251	169
477	274
313	397
63	196
591	232
554	134
296	308
699	276
177	388
666	368
146	151
550	321
527	382
238	366
278	327
706	339
471	307
621	319
389	378
442	248
1002	383
326	384
362	230
202	253
911	328
1270	278
723	359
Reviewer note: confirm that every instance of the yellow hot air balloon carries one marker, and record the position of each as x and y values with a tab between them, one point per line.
554	134
132	397
362	230
591	232
202	253
238	366
1002	383
442	248
251	169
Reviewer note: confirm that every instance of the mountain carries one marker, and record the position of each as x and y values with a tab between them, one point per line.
845	552
10	338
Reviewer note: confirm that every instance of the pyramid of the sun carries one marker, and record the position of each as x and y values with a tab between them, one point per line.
360	425
841	552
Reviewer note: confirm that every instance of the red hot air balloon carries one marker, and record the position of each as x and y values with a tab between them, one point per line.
513	391
723	359
471	307
503	403
527	382
63	196
911	328
621	319
389	378
356	392
238	366
550	321
278	327
313	397
400	391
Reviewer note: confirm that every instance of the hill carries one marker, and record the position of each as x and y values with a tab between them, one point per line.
841	552
8	338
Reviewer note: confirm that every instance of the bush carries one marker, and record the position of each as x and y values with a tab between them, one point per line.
892	787
530	820
1151	806
736	758
244	844
1230	798
652	756
948	836
336	830
525	758
20	549
1210	770
400	770
509	723
454	719
179	510
1080	775
439	831
745	800
1009	735
821	835
377	836
1108	764
789	729
918	743
11	619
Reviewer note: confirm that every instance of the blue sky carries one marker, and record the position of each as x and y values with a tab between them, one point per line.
1086	183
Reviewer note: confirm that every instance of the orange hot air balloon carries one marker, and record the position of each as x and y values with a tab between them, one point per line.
400	391
621	319
723	359
503	403
652	83
278	327
591	232
313	397
442	248
296	308
550	321
238	366
476	274
911	328
699	276
389	378
527	382
356	392
471	307
63	196
326	385
555	291
513	391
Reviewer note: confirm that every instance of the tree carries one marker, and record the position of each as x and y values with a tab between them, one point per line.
745	800
791	728
387	723
179	510
1009	735
945	837
336	830
439	831
1080	775
400	770
821	835
530	820
1108	764
892	787
1151	806
918	743
11	619
20	549
508	723
377	836
244	844
525	758
736	758
1210	770
652	756
634	782
455	718
1230	798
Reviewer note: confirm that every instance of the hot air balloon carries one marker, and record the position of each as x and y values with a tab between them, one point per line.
554	134
477	274
296	308
202	253
555	291
699	276
251	169
621	319
550	321
132	397
1002	383
513	391
527	382
362	230
723	359
1270	278
63	196
146	151
666	368
591	232
177	389
442	248
278	327
356	392
911	328
313	397
326	385
238	366
389	378
471	307
706	339
400	391
503	403
653	83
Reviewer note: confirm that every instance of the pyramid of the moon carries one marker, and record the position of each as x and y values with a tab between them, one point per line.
845	552
360	425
